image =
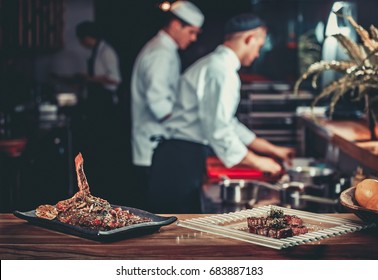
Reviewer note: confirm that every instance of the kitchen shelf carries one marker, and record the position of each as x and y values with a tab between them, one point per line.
272	115
31	25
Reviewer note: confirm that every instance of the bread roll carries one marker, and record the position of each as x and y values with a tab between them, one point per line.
373	203
367	194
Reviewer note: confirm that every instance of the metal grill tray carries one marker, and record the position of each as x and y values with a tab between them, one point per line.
234	225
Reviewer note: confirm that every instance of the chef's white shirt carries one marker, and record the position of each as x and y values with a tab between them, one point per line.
154	84
207	100
106	64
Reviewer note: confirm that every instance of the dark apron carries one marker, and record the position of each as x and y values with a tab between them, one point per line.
100	100
177	174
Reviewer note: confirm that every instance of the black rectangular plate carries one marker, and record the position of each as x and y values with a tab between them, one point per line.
103	236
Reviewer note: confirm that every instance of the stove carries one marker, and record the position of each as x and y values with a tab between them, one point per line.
216	170
322	198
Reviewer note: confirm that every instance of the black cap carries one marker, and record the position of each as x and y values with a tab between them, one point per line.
87	28
243	22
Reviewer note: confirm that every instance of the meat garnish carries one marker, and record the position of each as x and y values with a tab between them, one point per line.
276	225
86	210
46	211
293	220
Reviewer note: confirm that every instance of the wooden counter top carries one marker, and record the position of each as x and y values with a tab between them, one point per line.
21	240
352	137
350	130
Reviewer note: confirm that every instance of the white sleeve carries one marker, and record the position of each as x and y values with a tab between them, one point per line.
161	82
244	133
112	65
217	111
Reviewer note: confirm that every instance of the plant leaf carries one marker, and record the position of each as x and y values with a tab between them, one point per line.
370	44
319	67
351	47
374	32
328	90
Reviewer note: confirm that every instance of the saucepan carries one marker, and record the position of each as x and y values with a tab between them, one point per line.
311	175
309	186
327	178
239	191
297	195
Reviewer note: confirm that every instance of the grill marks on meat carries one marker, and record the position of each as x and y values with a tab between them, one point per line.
293	220
278	227
86	210
299	230
280	233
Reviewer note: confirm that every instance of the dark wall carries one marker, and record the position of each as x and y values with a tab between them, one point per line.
129	24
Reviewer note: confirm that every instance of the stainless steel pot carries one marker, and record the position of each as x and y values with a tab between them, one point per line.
238	191
300	196
297	195
311	175
234	191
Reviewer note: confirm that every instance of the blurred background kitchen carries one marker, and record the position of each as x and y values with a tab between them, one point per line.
42	125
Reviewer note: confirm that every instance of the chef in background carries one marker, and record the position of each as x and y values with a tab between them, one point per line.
154	84
204	115
104	75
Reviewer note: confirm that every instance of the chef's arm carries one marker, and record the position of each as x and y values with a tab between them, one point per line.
262	146
81	78
161	88
159	103
265	164
258	146
103	80
110	74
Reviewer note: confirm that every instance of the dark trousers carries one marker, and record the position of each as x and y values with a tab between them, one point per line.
176	177
140	186
99	105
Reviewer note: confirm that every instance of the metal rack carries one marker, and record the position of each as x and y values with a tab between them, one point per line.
272	114
233	225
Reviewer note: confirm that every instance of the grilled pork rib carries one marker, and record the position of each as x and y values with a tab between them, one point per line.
86	210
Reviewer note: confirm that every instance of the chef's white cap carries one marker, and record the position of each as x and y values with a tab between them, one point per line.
188	12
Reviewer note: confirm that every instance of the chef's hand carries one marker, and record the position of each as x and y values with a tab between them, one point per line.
285	154
264	147
264	164
270	166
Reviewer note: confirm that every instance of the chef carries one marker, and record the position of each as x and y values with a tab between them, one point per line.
204	115
104	75
154	84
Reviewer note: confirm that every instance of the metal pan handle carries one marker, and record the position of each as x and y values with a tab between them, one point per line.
317	199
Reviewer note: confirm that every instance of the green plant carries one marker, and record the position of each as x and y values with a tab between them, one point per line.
360	78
